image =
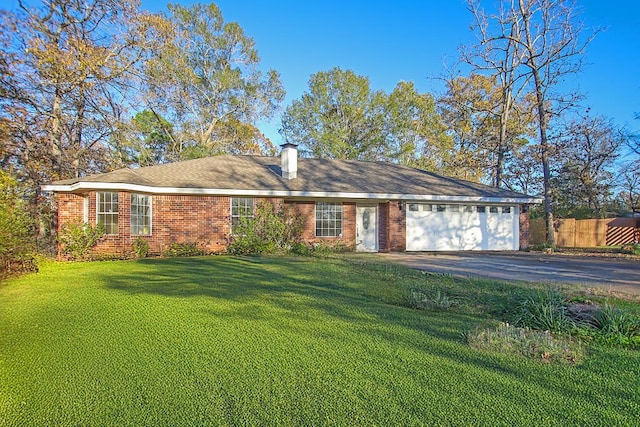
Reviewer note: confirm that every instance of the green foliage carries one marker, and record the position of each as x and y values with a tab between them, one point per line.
341	117
206	79
533	344
551	311
184	249
272	229
300	248
77	238
545	311
140	248
149	140
542	247
631	248
619	326
16	230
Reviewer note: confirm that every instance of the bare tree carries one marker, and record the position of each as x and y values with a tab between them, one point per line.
629	183
552	49
499	54
588	149
76	61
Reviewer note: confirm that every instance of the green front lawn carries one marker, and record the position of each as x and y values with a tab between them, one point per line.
278	341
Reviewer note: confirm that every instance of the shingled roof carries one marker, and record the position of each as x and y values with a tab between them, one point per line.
257	175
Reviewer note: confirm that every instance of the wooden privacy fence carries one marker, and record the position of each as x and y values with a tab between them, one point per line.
588	233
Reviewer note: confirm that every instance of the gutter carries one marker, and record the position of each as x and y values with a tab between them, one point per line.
86	186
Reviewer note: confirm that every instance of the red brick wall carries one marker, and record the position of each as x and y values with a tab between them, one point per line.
397	226
70	207
524	227
188	219
383	227
307	209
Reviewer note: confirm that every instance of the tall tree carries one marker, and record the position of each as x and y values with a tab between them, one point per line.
483	133
499	56
588	150
539	46
341	117
629	185
549	35
205	80
77	59
66	68
416	134
148	139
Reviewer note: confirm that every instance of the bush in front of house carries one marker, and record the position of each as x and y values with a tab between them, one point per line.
16	230
140	248
77	238
274	228
184	249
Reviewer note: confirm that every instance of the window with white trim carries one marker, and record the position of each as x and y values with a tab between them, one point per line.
107	211
328	219
241	207
140	215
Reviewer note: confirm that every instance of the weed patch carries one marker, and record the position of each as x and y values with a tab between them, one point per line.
538	345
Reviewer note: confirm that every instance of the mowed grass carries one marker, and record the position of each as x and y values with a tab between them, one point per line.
278	341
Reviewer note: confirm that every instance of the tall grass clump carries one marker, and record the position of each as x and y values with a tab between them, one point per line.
618	327
421	298
545	311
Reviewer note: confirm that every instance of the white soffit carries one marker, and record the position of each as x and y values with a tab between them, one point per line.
86	186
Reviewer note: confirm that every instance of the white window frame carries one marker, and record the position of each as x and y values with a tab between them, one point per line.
326	214
85	209
147	220
108	209
239	207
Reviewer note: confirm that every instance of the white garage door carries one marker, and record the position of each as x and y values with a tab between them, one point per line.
433	227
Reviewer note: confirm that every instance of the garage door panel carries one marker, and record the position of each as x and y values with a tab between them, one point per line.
459	230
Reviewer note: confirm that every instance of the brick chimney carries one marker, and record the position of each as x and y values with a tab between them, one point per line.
289	161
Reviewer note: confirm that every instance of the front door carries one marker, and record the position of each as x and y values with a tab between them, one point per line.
367	229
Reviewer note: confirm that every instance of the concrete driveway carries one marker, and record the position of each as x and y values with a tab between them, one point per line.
612	274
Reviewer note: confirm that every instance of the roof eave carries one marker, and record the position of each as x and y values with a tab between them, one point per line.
86	186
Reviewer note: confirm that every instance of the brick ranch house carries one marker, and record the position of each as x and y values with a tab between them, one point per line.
370	206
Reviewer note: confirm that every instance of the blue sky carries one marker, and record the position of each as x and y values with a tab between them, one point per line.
413	40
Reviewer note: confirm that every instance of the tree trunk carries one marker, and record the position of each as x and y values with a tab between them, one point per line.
55	148
78	137
544	154
502	141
